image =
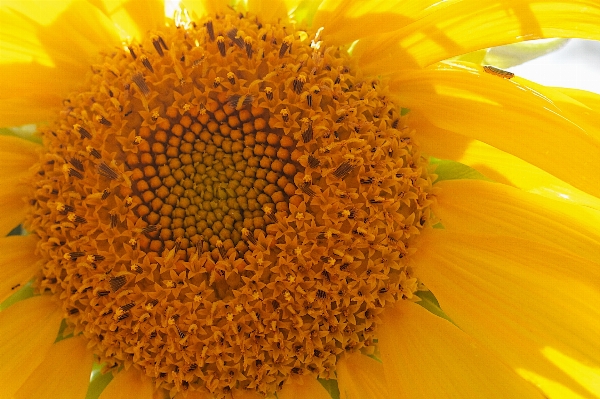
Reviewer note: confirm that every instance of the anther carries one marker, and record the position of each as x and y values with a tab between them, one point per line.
102	120
81	130
64	208
221	45
105	194
137	268
73	255
150	229
216	82
248	45
146	63
95	258
107	172
309	100
72	172
93	152
395	123
113	220
139	81
285	45
117	282
305	187
269	212
210	30
269	93
238	41
307	135
343	170
231	77
298	83
221	248
76	163
285	114
133	55
157	45
313	161
76	219
247	234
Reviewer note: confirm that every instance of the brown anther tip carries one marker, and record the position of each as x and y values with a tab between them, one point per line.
156	42
221	45
102	120
117	282
139	81
146	63
81	130
210	30
93	152
106	171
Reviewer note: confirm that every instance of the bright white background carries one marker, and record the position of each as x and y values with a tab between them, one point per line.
576	65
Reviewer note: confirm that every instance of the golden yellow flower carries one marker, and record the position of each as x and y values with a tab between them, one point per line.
252	201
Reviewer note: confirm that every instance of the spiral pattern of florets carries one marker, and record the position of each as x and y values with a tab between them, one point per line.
228	204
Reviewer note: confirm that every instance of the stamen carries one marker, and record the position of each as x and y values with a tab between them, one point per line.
117	282
139	81
81	130
248	46
343	170
93	152
238	41
101	119
210	30
221	45
107	172
146	63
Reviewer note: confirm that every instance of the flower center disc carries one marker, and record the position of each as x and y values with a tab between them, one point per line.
226	205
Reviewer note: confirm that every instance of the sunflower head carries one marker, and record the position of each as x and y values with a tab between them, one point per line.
227	204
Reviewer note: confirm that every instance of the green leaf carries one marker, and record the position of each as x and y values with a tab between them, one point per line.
331	386
98	382
452	170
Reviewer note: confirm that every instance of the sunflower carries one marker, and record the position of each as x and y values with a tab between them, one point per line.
253	200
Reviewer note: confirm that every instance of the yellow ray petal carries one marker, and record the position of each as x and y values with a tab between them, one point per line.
495	164
16	157
28	329
345	21
508	115
128	384
304	387
64	372
203	8
17	263
360	376
268	10
523	300
134	18
429	357
44	59
592	100
451	28
480	207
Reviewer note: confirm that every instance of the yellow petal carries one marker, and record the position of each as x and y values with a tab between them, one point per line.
345	21
509	115
429	357
128	384
592	100
204	8
17	263
360	377
451	28
134	18
28	329
495	164
523	300
271	10
304	387
64	372
16	157
480	207
43	59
